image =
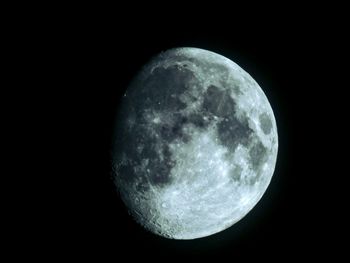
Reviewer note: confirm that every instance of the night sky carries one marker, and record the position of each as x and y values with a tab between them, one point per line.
95	62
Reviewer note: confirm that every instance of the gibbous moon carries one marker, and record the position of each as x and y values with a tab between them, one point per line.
195	144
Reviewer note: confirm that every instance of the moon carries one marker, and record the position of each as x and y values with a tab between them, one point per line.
195	144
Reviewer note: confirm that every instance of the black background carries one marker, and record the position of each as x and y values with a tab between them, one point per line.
88	65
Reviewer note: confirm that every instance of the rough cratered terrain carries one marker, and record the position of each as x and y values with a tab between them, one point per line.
195	144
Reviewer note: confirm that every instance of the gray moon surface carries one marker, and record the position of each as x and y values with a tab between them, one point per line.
195	144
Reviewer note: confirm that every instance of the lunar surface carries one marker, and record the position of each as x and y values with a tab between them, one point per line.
195	144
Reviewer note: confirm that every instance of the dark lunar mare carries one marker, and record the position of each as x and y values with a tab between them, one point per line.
231	131
138	140
135	142
162	100
265	123
257	155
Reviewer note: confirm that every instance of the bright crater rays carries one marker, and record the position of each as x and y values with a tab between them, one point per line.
195	145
